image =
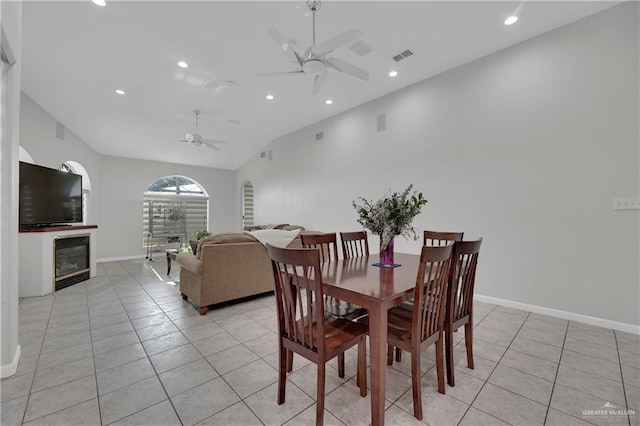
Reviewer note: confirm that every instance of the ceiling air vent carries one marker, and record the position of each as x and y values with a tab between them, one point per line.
319	136
361	48
402	55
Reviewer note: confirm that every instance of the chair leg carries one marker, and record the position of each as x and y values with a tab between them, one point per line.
468	341
362	367
289	361
389	355
440	365
341	365
398	354
282	374
448	346
320	394
416	385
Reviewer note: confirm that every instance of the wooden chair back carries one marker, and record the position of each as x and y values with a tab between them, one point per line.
299	296
431	292
463	277
436	238
325	243
354	244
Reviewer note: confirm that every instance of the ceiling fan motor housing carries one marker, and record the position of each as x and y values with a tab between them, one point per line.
313	67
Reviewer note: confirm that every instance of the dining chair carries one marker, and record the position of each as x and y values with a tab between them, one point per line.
460	301
303	327
354	244
325	243
418	329
437	238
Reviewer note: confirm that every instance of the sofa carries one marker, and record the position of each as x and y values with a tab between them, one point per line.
226	267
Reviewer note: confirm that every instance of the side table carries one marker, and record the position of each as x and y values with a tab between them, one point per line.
171	255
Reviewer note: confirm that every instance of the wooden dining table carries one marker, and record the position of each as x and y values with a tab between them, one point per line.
378	289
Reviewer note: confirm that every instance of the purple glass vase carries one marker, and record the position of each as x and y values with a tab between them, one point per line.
386	255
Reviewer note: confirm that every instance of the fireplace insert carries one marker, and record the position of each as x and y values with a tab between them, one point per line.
71	260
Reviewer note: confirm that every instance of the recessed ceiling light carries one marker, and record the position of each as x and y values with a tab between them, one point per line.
100	3
328	102
393	73
269	97
120	92
183	64
511	20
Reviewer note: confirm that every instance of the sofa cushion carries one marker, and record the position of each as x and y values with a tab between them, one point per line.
226	238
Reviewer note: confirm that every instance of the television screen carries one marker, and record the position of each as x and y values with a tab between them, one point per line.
48	196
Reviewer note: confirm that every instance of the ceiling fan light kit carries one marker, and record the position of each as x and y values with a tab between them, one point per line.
195	140
314	60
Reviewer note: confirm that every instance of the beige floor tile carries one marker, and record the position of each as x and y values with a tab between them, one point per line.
86	413
161	414
466	389
250	378
176	357
558	418
475	417
574	403
60	397
348	406
124	375
53	376
592	365
231	359
12	411
509	407
263	345
306	379
124	402
437	409
15	386
492	336
523	384
537	349
164	343
188	376
592	384
115	342
631	375
530	364
119	357
264	404
211	346
608	353
236	415
308	417
203	401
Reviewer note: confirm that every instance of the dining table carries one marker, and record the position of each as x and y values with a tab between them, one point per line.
356	280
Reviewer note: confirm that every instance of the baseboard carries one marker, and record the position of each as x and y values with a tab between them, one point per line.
600	322
10	369
117	259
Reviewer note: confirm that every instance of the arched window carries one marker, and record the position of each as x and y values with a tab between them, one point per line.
77	168
173	208
24	156
247	204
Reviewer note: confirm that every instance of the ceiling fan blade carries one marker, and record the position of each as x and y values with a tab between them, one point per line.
211	141
210	145
280	73
346	67
335	43
284	45
319	82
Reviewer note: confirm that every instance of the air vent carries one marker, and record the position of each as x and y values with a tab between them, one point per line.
403	55
263	154
381	123
361	48
266	154
319	136
60	130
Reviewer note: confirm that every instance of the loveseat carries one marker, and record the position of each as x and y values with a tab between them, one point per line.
226	267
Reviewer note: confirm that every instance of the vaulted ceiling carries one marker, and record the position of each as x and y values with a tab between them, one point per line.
77	54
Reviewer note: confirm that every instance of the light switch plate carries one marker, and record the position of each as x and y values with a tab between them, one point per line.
626	203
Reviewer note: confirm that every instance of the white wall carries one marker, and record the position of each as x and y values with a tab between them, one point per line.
11	20
38	137
526	147
122	185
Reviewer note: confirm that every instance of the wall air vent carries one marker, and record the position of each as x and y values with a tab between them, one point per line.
319	136
402	55
360	47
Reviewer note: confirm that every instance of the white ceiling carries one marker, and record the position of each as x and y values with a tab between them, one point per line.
75	54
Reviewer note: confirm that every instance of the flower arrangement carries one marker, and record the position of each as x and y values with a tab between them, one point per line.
391	215
199	233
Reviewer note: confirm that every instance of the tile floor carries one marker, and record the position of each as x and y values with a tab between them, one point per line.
125	349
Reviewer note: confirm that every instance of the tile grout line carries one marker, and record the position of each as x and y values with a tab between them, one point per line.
553	387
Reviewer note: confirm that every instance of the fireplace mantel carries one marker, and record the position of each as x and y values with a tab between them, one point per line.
36	257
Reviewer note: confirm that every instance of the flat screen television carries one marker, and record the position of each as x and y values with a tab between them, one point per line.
49	197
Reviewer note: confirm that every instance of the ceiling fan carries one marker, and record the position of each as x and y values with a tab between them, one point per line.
314	60
194	139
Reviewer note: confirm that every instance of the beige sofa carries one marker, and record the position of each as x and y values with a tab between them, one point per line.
227	267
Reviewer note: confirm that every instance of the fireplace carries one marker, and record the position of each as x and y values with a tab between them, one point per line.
71	260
